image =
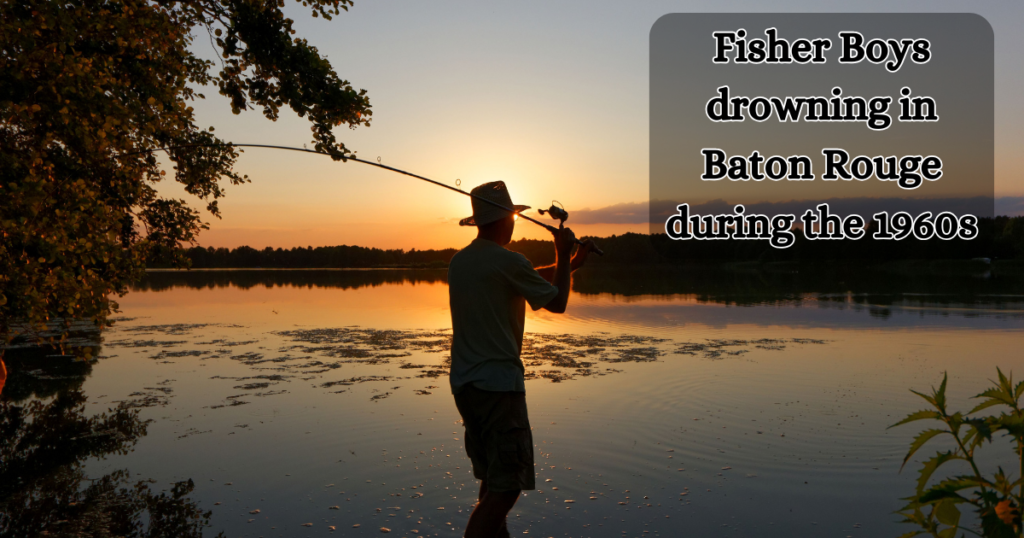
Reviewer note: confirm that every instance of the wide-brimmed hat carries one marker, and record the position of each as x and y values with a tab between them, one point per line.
485	213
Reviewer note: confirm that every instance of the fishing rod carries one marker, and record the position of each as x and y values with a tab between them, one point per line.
554	211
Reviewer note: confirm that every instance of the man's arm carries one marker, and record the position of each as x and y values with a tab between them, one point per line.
562	278
580	258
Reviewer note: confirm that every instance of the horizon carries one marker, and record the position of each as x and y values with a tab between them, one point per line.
1015	204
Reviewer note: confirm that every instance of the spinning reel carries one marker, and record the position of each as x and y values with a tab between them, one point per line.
556	212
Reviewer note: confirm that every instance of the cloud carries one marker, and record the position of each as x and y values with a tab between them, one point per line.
1012	206
624	213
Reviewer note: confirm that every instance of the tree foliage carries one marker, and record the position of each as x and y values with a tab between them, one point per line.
88	89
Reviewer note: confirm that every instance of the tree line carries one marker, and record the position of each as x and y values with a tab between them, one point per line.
999	238
343	256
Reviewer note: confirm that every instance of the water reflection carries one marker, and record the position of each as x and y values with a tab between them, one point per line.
711	284
620	299
32	373
317	400
297	278
46	438
787	284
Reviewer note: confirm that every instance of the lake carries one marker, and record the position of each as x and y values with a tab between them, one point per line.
670	402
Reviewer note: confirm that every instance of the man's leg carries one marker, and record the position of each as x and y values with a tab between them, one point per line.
503	531
488	518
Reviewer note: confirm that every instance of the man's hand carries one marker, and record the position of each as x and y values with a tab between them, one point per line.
577	261
581	255
565	239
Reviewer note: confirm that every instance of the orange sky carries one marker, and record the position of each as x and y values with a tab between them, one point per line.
550	98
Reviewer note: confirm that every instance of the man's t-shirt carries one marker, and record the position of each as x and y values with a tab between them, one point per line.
488	286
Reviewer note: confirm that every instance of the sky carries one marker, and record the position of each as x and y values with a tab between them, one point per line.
550	97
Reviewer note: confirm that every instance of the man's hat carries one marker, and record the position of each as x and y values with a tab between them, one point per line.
485	213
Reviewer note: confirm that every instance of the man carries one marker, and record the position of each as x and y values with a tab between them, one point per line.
488	287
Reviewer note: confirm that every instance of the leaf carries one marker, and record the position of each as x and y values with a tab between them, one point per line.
996	393
947	489
931	466
947	513
919	441
984	405
1001	482
940	395
1012	424
970	436
1003	382
929	399
919	415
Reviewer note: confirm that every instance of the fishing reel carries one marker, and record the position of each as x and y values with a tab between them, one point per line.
556	212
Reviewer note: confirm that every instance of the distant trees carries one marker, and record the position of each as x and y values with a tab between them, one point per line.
326	257
1000	238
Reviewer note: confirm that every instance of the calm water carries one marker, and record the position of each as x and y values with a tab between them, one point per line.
667	404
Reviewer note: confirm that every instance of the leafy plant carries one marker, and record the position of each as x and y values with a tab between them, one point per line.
997	500
88	89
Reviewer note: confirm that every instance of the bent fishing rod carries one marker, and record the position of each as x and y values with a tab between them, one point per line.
555	211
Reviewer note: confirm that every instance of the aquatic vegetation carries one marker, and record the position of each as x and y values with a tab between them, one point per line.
222	342
146	343
234	403
996	499
716	349
175	329
164	354
372	344
141	399
251	386
354	380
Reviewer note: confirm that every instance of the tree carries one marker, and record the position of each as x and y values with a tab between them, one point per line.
88	89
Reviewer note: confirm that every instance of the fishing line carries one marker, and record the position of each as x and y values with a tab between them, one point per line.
556	212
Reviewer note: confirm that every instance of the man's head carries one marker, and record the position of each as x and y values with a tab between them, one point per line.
494	222
499	231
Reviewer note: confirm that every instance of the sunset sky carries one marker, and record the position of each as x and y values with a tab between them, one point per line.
550	97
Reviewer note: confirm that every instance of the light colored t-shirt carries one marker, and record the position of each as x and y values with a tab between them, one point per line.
488	286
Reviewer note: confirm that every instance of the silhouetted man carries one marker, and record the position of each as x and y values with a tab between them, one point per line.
488	287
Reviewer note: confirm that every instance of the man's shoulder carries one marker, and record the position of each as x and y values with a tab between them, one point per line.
478	251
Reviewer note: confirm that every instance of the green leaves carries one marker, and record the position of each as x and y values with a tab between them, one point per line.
947	489
920	415
90	88
933	465
1003	393
936	510
948	514
919	441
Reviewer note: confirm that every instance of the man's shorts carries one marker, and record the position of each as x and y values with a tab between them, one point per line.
498	437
